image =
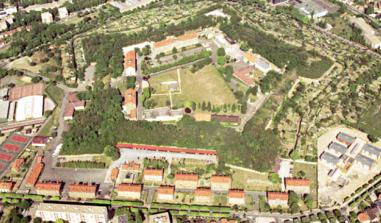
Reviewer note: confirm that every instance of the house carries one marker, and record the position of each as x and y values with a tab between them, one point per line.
166	45
299	186
236	197
153	175
74	213
35	173
6	186
244	75
73	104
220	183
46	17
130	65
49	188
203	195
129	191
363	217
345	138
329	160
40	141
166	193
276	199
130	102
371	151
83	191
363	163
128	172
257	61
186	181
337	149
63	13
17	164
131	167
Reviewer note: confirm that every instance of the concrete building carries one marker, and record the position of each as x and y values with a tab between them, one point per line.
220	183
345	138
329	160
337	149
160	218
236	197
166	193
203	196
186	181
130	103
129	191
40	141
368	32
371	151
276	199
130	65
46	17
153	175
34	173
4	104
363	163
6	186
257	61
49	188
299	186
71	213
83	191
63	13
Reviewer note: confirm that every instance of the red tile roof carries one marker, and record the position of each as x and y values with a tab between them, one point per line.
18	138
153	172
277	196
297	182
202	191
130	96
165	42
6	185
220	179
131	166
40	140
72	97
243	74
17	164
165	149
25	91
35	174
129	187
130	59
363	217
114	173
52	186
166	190
187	36
83	188
186	177
236	193
11	147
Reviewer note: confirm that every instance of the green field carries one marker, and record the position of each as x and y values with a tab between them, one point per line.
370	120
252	181
206	85
311	173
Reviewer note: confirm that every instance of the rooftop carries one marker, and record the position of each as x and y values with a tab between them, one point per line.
71	208
166	190
83	188
220	179
186	177
297	182
364	160
8	185
129	187
25	91
236	193
344	137
328	157
202	191
130	59
337	147
131	166
53	186
371	149
35	173
277	196
153	172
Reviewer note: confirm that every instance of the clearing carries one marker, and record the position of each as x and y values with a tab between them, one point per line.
253	181
206	85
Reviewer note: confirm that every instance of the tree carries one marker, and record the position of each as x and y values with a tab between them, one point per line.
37	220
369	10
301	174
294	208
112	152
308	200
174	50
274	178
221	60
228	72
221	52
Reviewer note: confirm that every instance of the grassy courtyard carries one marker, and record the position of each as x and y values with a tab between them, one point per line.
370	120
206	85
310	171
252	181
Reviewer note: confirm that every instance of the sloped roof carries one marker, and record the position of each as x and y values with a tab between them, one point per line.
25	91
236	193
186	177
297	182
166	190
129	187
84	188
153	172
202	191
220	179
277	196
52	186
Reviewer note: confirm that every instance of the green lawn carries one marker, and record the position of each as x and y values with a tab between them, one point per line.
252	181
370	120
311	173
206	85
56	94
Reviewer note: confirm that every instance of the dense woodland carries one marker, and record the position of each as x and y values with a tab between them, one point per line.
99	125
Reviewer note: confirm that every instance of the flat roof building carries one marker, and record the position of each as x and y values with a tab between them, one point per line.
337	149
363	163
71	213
46	17
345	138
63	13
329	159
371	151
